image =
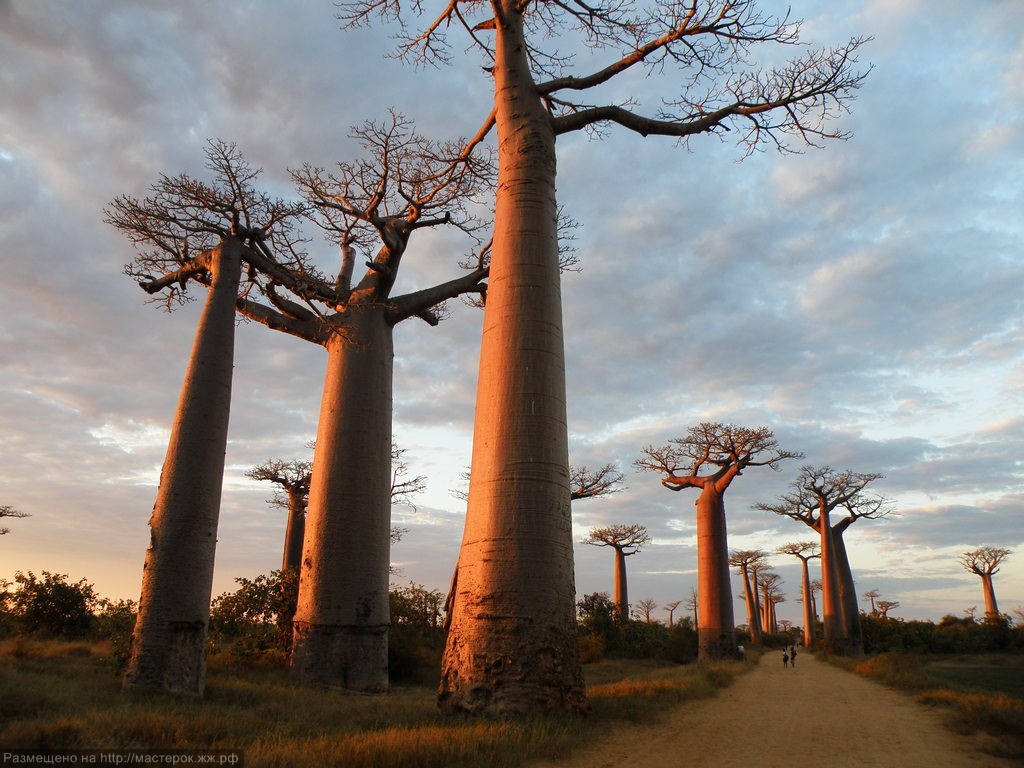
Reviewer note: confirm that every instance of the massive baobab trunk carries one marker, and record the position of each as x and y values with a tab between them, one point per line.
169	641
511	645
342	619
753	617
808	597
621	589
833	626
847	591
716	634
991	609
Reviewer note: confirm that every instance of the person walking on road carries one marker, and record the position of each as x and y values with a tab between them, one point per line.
785	659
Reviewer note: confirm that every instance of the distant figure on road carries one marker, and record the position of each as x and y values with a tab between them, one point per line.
785	659
792	656
741	652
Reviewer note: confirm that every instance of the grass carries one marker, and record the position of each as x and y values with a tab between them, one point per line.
983	693
59	695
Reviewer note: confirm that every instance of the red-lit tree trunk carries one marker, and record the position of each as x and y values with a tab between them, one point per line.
512	645
621	595
753	611
342	618
833	627
847	590
808	600
991	609
296	528
168	648
716	634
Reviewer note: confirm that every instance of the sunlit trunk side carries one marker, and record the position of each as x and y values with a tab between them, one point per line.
753	618
295	532
341	623
716	634
833	628
168	649
847	591
808	599
621	589
991	609
511	647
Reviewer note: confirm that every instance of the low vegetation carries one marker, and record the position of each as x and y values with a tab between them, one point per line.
60	694
982	693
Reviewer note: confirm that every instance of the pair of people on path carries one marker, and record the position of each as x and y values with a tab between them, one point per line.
788	656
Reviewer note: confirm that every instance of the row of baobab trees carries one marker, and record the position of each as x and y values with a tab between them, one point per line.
511	644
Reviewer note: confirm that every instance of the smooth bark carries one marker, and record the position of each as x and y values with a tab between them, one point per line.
991	609
511	646
169	641
716	633
808	600
834	635
296	528
847	590
342	618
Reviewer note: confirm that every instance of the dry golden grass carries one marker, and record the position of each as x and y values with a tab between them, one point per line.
55	695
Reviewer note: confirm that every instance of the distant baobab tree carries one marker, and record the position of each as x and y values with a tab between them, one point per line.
805	551
748	562
644	608
223	235
884	606
625	540
521	654
671	608
771	594
709	458
294	478
816	493
871	594
9	511
985	562
693	606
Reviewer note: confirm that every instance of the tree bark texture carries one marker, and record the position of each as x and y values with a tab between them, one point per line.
753	613
716	634
808	599
295	530
512	645
833	628
169	641
991	609
847	595
621	588
342	618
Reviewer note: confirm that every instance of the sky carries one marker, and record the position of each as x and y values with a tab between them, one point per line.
863	300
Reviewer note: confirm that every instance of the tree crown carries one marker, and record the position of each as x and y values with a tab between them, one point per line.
628	539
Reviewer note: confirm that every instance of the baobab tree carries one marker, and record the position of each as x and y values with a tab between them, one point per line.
884	606
8	511
671	608
193	232
644	608
816	493
693	606
404	184
748	562
805	551
294	477
985	562
709	458
625	540
512	647
771	594
871	594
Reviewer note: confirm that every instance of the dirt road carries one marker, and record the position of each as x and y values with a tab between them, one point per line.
812	716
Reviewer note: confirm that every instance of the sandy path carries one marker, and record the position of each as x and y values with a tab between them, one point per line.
808	717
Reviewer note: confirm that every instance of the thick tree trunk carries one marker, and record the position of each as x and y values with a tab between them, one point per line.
169	642
621	589
833	628
295	532
716	635
511	647
991	609
808	599
847	595
341	623
753	617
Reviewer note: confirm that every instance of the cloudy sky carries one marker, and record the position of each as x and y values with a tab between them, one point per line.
863	300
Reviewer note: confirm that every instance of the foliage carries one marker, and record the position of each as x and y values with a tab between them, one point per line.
416	639
952	634
602	634
49	605
256	618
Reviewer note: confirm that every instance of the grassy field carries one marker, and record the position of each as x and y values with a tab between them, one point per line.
59	695
983	693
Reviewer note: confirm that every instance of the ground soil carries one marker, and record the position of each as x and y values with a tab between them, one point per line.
810	716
